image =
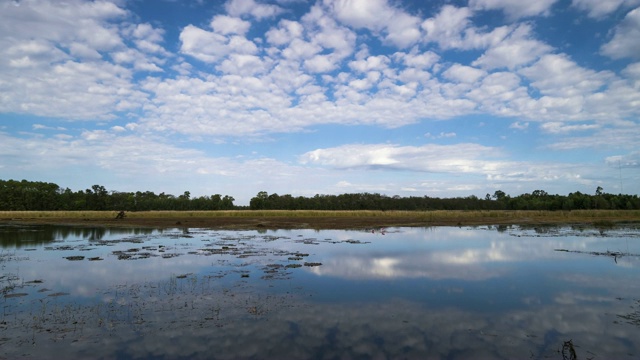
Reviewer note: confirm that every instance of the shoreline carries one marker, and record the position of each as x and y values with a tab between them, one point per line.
295	219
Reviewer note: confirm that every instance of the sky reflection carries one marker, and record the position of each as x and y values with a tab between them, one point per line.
411	293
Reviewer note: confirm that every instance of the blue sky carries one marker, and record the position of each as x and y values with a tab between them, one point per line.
411	98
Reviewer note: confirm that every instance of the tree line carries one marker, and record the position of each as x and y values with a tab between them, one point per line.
537	200
33	195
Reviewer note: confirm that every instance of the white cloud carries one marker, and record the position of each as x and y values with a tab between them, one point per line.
256	9
515	9
137	59
442	135
245	65
630	160
379	62
53	59
74	20
519	48
447	26
369	14
606	137
557	75
463	74
394	25
475	161
625	39
417	58
404	30
71	90
460	158
519	125
226	25
600	8
555	127
632	71
452	28
209	46
499	92
284	33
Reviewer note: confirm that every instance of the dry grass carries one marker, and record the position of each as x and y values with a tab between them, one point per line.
424	215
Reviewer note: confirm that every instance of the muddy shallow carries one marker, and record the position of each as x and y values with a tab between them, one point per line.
446	292
342	220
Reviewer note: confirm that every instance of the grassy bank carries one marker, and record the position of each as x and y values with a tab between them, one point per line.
317	219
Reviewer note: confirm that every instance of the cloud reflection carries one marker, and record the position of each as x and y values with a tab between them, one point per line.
512	297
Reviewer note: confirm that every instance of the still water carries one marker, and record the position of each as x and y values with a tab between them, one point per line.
416	293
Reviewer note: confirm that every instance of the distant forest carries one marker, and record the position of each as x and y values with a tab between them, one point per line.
32	195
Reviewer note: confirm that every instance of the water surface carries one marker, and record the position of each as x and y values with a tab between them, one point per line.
444	292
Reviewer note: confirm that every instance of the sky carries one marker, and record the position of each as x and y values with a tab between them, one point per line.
439	98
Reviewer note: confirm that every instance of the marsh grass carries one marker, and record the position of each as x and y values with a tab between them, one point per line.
423	215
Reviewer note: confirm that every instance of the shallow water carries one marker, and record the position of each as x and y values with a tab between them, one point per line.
444	292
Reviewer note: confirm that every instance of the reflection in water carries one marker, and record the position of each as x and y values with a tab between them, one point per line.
14	236
413	293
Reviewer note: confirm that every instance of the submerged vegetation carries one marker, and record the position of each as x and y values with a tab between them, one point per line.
40	196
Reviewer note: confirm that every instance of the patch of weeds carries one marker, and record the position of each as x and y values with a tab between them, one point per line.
351	241
8	296
568	351
632	318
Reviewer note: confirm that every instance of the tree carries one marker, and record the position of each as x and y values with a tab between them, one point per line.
499	195
259	202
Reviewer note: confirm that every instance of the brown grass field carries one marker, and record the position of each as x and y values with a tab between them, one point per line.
299	219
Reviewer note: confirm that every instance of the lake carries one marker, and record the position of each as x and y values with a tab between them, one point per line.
415	293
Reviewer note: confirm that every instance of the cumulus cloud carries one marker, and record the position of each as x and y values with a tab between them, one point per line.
515	9
518	48
393	24
557	75
625	38
210	46
600	8
452	28
463	74
226	25
57	63
253	8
